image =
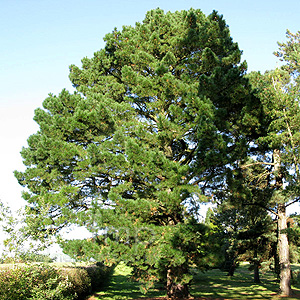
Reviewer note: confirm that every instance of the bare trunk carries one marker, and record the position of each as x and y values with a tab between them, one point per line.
256	274
256	268
283	243
176	290
232	268
275	255
284	256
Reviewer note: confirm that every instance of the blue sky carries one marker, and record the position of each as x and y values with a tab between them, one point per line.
41	38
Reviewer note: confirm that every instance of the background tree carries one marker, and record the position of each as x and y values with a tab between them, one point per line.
294	237
151	129
246	233
17	244
277	149
256	239
229	222
13	236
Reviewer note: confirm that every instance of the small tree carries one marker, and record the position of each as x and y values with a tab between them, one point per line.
246	232
13	237
18	244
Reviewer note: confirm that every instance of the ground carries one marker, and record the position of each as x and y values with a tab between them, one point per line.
211	285
201	298
165	298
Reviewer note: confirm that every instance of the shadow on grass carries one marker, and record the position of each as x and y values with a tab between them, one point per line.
210	285
215	284
121	287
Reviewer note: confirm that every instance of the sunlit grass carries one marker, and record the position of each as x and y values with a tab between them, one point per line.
212	284
122	288
216	284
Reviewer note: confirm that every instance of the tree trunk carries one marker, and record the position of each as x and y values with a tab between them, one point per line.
275	254
176	290
276	257
283	243
284	255
256	268
256	273
232	268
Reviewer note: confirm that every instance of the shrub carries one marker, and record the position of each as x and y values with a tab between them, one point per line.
47	282
51	285
99	275
34	282
79	279
86	279
295	276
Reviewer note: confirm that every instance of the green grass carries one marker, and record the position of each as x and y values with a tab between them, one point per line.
122	288
213	284
216	284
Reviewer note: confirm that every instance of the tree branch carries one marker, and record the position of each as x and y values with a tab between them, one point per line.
257	163
264	207
294	201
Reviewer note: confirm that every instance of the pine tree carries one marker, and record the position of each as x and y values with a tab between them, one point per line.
277	148
246	233
151	129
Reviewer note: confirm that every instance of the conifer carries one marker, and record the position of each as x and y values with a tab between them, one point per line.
151	129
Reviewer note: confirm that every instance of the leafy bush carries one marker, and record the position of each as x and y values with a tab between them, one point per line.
88	278
80	280
34	282
99	275
50	283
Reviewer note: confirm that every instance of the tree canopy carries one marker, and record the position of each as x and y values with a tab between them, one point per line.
156	121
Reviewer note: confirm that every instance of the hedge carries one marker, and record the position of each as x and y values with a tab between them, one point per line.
36	282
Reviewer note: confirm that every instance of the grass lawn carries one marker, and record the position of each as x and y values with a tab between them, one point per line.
122	288
213	284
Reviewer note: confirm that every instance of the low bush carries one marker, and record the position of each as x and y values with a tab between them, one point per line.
79	279
100	275
49	282
34	282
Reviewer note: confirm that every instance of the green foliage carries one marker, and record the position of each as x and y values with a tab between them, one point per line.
275	151
80	280
293	232
99	275
289	53
42	281
154	125
245	233
279	91
14	236
121	286
34	257
34	282
26	257
19	245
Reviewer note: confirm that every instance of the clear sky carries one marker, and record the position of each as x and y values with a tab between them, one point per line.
40	38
